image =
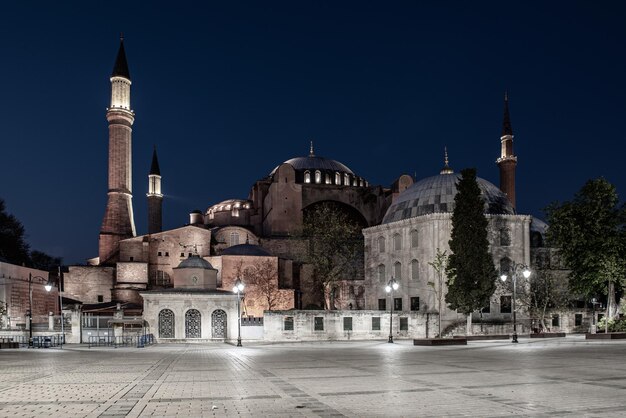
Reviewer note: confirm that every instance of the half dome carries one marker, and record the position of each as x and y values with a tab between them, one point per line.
436	195
246	250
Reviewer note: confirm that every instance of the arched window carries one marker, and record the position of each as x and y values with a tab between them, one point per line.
166	324
218	324
307	177
211	215
235	213
505	265
318	177
381	273
397	242
415	270
397	270
414	239
381	244
355	183
193	324
346	179
234	238
505	237
328	180
337	178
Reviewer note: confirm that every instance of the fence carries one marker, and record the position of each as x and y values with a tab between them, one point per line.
121	341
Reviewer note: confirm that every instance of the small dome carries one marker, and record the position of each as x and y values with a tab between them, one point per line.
246	250
436	195
195	261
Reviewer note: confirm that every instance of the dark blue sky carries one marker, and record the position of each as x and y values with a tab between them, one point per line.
229	90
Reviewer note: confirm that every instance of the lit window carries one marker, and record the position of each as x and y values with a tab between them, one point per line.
307	177
346	179
328	181
355	183
337	178
318	177
235	213
211	215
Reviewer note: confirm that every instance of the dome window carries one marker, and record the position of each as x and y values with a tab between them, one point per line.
346	179
361	183
355	183
235	213
337	179
318	177
211	215
328	179
307	177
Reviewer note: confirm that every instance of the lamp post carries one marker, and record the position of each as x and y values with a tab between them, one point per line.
238	287
61	308
516	269
594	302
48	287
391	286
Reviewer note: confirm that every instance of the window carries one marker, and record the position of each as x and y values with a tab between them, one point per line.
397	304
235	213
307	177
159	254
337	178
193	324
381	244
505	237
167	254
328	181
414	239
355	183
397	242
318	323
505	304
376	323
288	323
166	324
505	265
346	179
578	319
555	321
132	258
404	324
182	254
234	238
347	323
415	270
415	304
381	273
100	298
382	304
397	270
318	177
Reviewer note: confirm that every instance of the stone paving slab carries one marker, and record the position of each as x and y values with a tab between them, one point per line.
544	378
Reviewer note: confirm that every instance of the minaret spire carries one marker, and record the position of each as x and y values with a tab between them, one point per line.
155	197
118	222
311	153
446	168
507	161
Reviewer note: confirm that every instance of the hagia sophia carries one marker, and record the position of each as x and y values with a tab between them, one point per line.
181	280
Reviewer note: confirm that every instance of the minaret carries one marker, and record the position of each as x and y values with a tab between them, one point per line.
155	198
446	167
507	161
118	222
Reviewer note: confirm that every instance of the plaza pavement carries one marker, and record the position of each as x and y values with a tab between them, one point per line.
552	377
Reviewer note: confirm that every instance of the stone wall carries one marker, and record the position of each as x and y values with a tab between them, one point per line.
86	283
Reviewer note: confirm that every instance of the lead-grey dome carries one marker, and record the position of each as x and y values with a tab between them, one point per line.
436	195
313	162
246	250
195	261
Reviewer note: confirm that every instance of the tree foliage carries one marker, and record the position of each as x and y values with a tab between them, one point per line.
13	247
471	273
264	276
335	247
589	231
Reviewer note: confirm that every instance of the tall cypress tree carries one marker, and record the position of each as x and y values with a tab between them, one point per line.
471	273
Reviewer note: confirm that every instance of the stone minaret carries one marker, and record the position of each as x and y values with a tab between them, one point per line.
507	161
155	198
118	222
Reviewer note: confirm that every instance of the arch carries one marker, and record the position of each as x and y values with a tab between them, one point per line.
307	176
346	179
397	242
328	180
397	270
351	212
318	176
381	244
193	324
381	273
218	324
167	324
337	178
234	238
415	269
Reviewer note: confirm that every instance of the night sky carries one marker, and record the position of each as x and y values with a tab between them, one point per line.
230	90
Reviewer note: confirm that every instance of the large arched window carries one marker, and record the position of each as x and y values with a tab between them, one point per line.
307	177
193	324
166	324
505	265
318	177
505	237
397	270
414	239
234	238
346	179
328	179
397	242
381	273
415	269
381	244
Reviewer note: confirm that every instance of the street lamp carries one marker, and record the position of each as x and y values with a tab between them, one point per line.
61	308
238	287
48	287
516	269
391	286
594	302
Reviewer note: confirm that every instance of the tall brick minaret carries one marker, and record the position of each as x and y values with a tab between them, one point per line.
118	222
507	161
155	198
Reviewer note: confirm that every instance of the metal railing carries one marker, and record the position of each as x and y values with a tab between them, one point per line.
121	341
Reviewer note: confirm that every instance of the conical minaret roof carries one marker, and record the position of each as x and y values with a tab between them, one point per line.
154	167
120	69
507	129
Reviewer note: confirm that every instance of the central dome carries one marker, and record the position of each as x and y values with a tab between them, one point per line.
436	195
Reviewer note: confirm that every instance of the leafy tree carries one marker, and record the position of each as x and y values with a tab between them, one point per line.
335	247
589	230
43	261
439	265
13	247
471	273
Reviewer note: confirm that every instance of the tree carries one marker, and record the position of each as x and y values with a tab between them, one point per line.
335	247
471	273
43	261
439	265
590	233
264	276
13	247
